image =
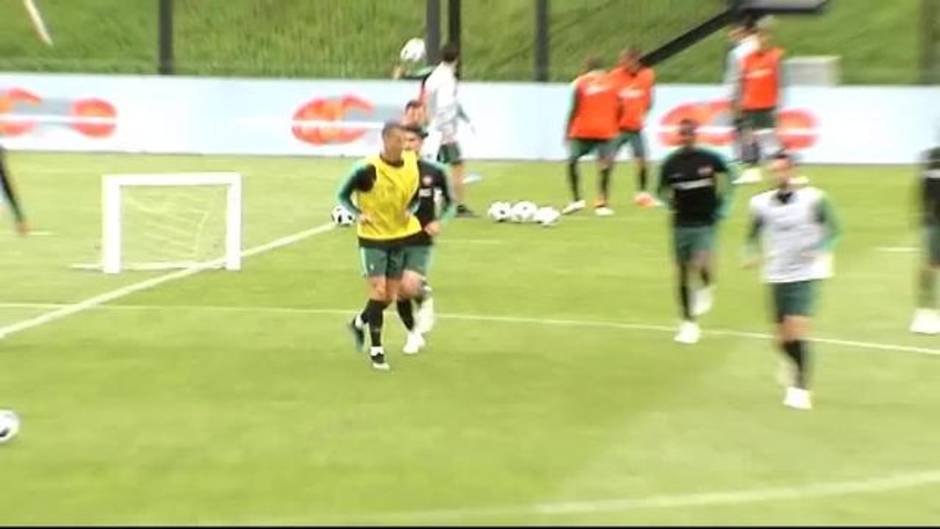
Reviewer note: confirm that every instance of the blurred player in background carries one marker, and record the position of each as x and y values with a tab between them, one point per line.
9	194
760	88
415	115
926	318
799	230
385	187
634	83
689	185
445	111
591	128
433	188
743	41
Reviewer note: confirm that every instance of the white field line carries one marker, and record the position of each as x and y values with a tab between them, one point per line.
75	308
706	499
898	249
496	319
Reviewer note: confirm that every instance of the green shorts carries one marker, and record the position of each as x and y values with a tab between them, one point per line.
449	154
760	119
636	141
932	244
382	262
793	299
578	147
690	241
418	259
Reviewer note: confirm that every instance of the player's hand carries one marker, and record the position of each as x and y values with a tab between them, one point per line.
433	228
364	218
22	228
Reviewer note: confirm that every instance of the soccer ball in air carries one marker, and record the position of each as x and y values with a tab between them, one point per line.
9	425
523	211
499	211
547	216
413	51
342	217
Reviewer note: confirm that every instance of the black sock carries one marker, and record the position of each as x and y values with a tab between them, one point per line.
406	314
706	277
376	318
573	179
605	182
685	297
796	350
643	180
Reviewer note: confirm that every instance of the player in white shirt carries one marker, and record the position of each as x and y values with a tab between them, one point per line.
440	91
798	229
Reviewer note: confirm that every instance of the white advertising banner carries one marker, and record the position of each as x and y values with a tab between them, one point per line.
514	121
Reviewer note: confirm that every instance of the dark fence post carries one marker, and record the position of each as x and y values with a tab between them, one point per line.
166	66
455	29
541	41
432	30
930	42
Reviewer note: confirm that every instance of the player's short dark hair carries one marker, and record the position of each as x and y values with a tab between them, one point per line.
414	103
416	129
389	126
784	155
593	62
450	52
749	23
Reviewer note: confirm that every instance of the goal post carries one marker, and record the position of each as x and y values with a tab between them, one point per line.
114	188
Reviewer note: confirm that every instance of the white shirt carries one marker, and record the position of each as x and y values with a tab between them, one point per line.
441	89
791	236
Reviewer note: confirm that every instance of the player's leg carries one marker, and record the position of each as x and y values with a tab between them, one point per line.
703	259
9	195
794	306
750	152
926	317
412	281
683	243
637	143
375	263
577	148
450	154
421	266
605	166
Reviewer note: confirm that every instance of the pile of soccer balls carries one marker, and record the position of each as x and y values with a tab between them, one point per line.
523	212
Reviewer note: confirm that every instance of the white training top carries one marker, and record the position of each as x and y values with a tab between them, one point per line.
441	89
791	234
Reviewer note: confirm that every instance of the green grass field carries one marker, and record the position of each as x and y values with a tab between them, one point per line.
551	390
361	38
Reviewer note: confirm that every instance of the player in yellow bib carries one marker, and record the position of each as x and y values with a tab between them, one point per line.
382	192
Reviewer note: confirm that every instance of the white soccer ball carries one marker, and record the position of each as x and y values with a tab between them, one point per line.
342	217
523	211
499	211
547	216
9	425
413	50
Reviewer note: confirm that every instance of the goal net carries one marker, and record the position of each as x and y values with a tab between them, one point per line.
167	221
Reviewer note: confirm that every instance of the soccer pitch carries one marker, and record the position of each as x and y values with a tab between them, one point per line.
551	390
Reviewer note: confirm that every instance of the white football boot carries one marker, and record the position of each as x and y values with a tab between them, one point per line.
798	399
689	333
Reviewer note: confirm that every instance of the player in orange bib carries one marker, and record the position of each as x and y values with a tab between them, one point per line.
760	97
592	127
634	83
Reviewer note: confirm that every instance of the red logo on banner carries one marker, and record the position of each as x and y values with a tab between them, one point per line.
795	128
94	118
10	99
311	120
94	108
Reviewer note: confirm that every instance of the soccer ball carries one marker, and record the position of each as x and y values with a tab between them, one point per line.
413	50
547	216
9	425
499	211
342	217
523	211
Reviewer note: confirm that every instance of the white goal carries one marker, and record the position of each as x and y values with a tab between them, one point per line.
167	221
